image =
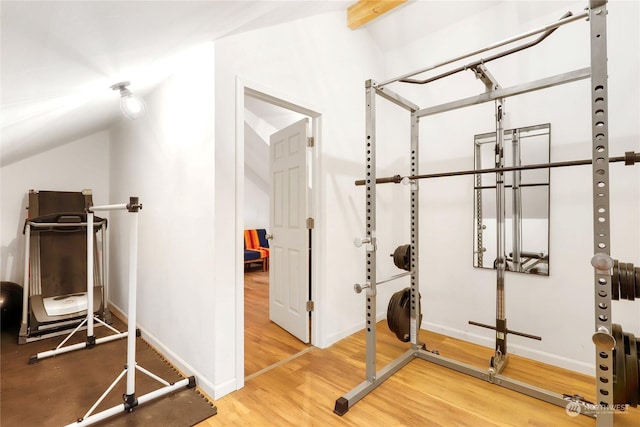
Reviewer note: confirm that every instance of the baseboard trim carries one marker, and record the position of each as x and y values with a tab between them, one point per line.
540	356
203	386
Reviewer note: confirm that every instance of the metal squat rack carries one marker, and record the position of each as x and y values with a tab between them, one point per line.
602	262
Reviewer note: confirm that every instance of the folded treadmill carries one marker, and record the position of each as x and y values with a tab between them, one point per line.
55	272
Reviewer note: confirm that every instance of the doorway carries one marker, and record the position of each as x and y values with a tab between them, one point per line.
261	115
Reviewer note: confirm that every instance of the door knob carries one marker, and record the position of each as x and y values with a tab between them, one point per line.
269	236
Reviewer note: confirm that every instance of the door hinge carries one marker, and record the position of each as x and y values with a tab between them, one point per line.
310	305
310	141
310	223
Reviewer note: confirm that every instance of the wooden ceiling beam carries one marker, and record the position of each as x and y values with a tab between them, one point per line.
363	11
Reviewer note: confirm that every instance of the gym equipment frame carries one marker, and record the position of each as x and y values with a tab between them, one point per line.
130	399
91	340
602	263
54	269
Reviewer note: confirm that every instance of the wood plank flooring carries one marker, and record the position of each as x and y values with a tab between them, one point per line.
265	343
302	391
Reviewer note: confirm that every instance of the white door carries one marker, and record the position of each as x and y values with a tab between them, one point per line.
289	246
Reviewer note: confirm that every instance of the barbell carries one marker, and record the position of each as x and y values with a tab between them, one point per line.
629	158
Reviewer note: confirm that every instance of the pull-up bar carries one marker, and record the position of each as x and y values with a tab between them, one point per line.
496	45
482	61
629	158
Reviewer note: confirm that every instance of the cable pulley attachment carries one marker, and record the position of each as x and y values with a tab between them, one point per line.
399	314
402	257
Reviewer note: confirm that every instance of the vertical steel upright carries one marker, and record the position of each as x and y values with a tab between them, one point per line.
370	232
516	203
601	229
500	357
415	236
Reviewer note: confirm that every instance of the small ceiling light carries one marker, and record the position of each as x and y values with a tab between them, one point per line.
131	105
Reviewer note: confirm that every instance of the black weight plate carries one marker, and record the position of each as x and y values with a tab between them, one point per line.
622	274
391	311
615	282
619	371
631	288
637	281
632	372
399	314
631	282
402	257
404	317
397	257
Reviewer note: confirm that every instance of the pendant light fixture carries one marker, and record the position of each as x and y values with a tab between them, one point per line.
132	106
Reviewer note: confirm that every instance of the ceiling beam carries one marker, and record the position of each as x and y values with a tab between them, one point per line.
363	11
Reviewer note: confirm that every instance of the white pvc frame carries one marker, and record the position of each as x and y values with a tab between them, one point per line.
130	400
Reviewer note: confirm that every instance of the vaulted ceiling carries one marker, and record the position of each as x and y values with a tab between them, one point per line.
59	58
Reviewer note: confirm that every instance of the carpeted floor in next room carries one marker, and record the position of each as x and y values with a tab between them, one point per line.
58	390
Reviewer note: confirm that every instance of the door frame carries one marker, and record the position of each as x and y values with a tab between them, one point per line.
244	87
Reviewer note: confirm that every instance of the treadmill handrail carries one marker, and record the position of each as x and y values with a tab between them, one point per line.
56	222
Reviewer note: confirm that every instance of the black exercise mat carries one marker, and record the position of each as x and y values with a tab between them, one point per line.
58	390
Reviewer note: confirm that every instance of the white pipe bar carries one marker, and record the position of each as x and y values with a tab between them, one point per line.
100	399
162	391
122	206
70	335
105	268
61	350
67	349
107	325
548	27
121	407
90	283
152	375
58	224
26	288
133	273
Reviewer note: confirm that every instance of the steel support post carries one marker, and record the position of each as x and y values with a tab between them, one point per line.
415	236
601	228
500	357
370	232
516	202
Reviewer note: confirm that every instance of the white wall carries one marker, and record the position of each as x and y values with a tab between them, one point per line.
74	166
318	62
167	160
558	308
256	202
256	179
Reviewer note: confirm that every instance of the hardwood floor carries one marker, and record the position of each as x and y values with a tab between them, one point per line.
302	391
265	343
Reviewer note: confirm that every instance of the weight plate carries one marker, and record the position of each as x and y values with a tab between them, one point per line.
399	314
631	282
404	317
391	311
615	282
637	281
402	257
632	372
619	370
622	274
